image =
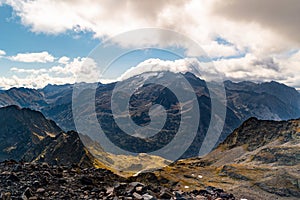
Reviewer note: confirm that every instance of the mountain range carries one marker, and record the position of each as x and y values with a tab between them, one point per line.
257	155
258	160
271	100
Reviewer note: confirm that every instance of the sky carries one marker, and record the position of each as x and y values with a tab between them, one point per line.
47	41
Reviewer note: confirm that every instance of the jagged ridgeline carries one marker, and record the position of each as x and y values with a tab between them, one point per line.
244	100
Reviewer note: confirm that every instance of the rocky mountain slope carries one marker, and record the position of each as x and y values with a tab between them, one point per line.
244	100
64	149
23	97
21	129
259	160
269	101
27	135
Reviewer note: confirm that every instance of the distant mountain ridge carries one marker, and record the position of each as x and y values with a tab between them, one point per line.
281	101
272	100
53	96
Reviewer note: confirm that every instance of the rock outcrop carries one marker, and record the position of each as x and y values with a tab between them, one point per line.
259	160
43	181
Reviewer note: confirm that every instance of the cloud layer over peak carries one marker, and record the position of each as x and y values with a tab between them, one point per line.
248	39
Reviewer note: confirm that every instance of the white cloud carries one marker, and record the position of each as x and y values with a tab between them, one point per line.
280	16
291	69
77	70
250	67
103	17
205	71
80	69
157	65
63	60
245	68
202	20
2	52
264	30
41	57
214	50
28	71
284	69
30	81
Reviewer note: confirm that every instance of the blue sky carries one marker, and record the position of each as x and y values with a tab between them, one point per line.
45	42
17	38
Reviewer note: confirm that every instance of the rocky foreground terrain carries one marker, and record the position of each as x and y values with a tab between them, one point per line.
41	181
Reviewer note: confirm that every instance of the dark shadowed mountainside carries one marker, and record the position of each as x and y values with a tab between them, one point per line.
20	129
27	135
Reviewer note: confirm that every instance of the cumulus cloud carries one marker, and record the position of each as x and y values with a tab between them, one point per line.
2	53
262	30
280	16
80	69
284	69
249	67
102	17
202	20
76	70
41	57
63	60
291	69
